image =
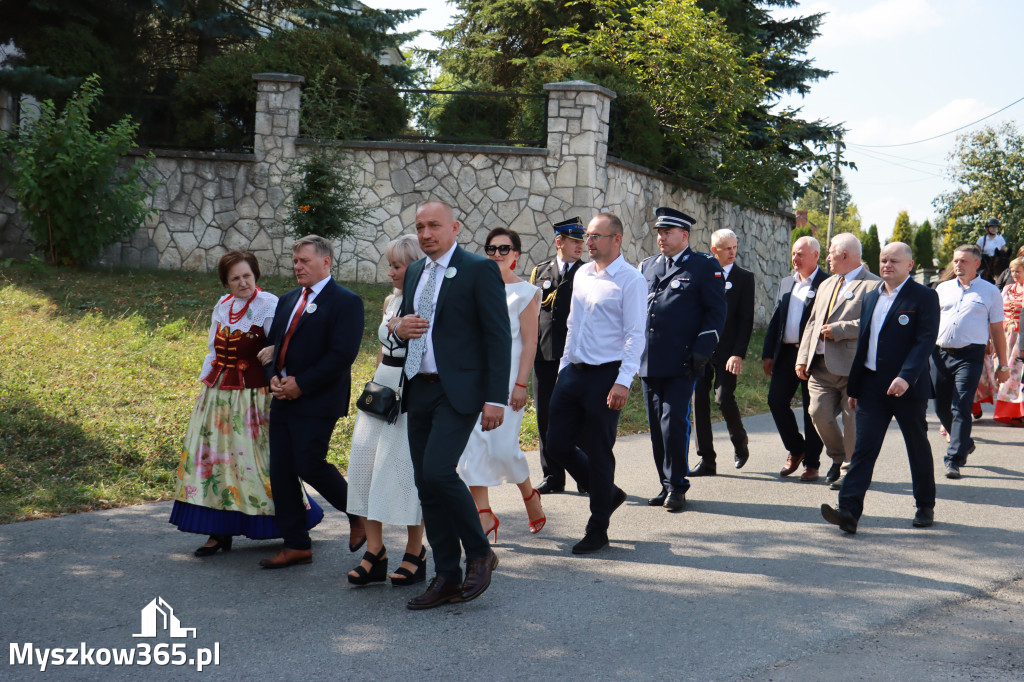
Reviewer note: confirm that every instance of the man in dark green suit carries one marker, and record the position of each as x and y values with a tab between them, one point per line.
458	358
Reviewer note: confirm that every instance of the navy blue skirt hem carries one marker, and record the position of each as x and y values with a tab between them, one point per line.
192	518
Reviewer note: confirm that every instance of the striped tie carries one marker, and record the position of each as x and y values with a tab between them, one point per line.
835	295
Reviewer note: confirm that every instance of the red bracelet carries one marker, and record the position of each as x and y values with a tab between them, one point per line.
520	385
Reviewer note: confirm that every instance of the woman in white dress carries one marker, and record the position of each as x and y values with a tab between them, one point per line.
380	479
494	457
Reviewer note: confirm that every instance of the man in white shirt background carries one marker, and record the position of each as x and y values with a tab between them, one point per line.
604	340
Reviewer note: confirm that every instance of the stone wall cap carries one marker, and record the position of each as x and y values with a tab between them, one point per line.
433	147
580	86
191	154
279	77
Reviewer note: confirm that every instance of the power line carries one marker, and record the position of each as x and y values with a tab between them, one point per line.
903	158
873	157
935	137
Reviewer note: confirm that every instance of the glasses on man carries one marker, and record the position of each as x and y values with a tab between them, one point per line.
504	249
593	237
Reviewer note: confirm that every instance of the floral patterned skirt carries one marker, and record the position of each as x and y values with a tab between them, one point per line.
224	470
1010	397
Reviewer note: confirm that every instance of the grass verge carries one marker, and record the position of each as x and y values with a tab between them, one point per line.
101	373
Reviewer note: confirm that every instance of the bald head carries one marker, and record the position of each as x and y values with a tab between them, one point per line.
894	264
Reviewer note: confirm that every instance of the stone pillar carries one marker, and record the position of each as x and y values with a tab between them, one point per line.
578	128
278	100
8	111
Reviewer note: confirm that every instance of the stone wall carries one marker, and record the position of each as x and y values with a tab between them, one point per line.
208	203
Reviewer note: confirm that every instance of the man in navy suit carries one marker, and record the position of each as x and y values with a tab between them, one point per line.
793	304
890	378
727	361
316	334
685	314
457	364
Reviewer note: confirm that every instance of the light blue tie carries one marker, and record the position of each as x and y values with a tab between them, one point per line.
425	308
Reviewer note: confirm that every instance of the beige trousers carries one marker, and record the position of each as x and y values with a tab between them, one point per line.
828	401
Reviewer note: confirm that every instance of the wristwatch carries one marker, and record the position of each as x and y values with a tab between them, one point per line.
1003	367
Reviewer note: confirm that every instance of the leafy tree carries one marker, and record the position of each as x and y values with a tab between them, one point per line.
847	221
987	169
924	254
67	182
871	248
818	188
902	231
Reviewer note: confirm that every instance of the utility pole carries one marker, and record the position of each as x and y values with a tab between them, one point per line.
832	197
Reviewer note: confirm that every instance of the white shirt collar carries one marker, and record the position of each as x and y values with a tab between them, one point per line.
319	286
853	274
446	258
895	292
728	269
808	280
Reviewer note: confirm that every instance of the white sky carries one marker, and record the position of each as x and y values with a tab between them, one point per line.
905	70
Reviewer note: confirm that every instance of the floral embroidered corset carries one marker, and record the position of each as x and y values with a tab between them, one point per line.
236	358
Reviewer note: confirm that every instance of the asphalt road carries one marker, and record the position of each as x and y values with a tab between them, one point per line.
748	583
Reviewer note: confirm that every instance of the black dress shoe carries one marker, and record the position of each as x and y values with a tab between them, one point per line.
705	468
591	543
223	543
659	499
675	502
478	576
952	470
924	517
550	485
840	517
834	472
836	484
439	591
742	453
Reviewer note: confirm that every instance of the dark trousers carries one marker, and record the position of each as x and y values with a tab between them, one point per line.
875	411
580	414
298	450
545	372
784	385
668	413
955	376
437	436
724	384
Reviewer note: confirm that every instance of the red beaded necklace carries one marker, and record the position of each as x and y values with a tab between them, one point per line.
234	317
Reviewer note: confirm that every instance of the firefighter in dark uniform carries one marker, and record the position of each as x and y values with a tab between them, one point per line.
686	309
554	277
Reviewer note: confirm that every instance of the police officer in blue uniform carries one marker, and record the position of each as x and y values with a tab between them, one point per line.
686	309
554	277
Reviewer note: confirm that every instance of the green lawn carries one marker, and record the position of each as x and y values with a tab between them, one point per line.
100	374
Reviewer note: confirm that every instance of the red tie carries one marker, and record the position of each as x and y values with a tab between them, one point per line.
291	327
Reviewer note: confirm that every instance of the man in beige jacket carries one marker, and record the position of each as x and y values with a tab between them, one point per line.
827	348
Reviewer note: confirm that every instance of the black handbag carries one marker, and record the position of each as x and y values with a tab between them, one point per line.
381	401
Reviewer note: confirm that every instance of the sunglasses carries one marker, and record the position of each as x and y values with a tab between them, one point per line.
504	249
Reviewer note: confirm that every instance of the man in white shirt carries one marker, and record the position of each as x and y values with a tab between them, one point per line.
604	341
972	313
793	304
889	378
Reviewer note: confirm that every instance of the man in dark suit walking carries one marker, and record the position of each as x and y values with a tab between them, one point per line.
685	315
457	366
555	278
316	334
889	378
727	360
793	305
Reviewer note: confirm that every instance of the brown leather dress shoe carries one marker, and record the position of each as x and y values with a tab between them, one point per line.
478	576
809	475
288	557
439	591
792	464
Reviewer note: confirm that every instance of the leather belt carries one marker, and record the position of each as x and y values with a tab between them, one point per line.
583	367
431	378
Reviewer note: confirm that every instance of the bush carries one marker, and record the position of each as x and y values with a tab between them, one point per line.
216	103
66	179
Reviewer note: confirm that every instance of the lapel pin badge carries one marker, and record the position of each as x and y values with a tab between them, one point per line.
728	285
311	308
810	294
903	319
546	284
849	295
674	284
450	272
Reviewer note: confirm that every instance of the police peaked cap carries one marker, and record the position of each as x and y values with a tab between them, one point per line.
992	222
572	228
670	217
